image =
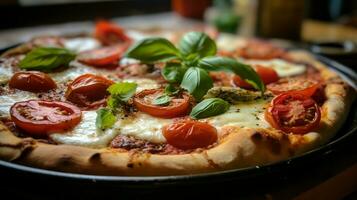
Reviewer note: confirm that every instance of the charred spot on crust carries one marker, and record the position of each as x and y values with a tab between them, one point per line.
65	160
257	137
130	165
96	157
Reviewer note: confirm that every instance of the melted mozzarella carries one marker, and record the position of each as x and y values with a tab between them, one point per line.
71	73
282	67
5	74
81	44
229	42
142	126
85	133
6	101
245	114
143	83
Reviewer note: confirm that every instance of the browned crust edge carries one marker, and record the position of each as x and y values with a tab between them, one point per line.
241	148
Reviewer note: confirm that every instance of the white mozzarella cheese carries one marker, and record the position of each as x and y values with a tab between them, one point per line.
6	101
85	133
245	114
142	126
81	44
229	42
5	74
282	67
143	83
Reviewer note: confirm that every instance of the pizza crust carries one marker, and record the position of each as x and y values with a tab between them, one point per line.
241	147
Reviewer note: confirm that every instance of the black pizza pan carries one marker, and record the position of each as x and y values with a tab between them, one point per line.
242	179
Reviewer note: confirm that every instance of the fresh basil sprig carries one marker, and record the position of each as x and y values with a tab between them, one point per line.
193	58
120	93
46	58
197	82
153	50
209	107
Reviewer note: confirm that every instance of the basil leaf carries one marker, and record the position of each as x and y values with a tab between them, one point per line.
162	100
153	50
46	58
197	44
122	91
171	90
105	118
173	72
216	63
197	82
209	107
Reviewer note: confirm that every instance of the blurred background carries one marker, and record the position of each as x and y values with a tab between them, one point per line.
328	27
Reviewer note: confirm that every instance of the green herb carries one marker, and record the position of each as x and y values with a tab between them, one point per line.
120	93
197	45
171	90
46	58
153	50
197	82
209	107
216	63
194	57
173	72
105	118
162	100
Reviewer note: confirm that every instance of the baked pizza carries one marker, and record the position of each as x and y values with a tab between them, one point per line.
161	102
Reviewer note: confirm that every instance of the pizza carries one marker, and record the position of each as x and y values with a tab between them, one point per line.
162	102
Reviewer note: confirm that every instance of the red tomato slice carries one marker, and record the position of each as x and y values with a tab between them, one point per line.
293	112
176	108
103	57
189	134
40	118
305	86
110	33
268	75
88	91
32	81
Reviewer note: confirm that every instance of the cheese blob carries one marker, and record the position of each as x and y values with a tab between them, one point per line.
282	67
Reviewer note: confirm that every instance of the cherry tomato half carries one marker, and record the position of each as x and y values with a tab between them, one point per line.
110	33
32	81
268	75
307	87
189	134
293	112
40	118
176	108
103	57
88	91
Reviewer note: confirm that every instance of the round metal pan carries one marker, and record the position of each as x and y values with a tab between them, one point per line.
249	176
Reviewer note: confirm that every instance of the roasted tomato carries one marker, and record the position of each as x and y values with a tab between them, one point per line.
307	87
189	134
261	50
40	118
178	106
268	75
103	57
32	81
110	33
88	91
293	112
